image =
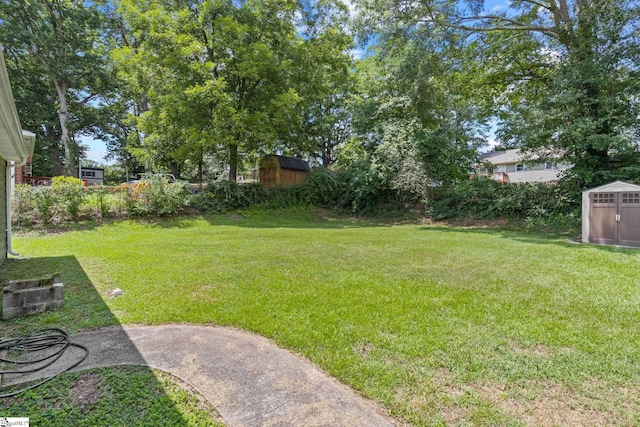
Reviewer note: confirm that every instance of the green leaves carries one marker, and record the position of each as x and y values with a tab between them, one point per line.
222	76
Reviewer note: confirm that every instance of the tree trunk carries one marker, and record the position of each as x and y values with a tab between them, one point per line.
63	115
144	102
175	169
200	166
233	162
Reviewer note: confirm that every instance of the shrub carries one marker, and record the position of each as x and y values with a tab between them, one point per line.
319	189
126	200
101	195
23	205
225	195
154	196
68	193
364	189
483	198
44	201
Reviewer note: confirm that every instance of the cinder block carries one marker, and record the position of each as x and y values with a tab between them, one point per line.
32	296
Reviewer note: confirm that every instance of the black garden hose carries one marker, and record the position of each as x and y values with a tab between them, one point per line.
41	341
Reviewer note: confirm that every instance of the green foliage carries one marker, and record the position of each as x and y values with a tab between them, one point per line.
45	201
69	194
100	195
125	395
364	188
56	51
484	198
226	80
560	79
155	197
319	189
66	199
23	205
225	195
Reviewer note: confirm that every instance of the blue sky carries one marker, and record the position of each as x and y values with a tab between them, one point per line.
97	149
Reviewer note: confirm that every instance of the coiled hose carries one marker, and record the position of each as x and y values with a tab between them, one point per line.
42	341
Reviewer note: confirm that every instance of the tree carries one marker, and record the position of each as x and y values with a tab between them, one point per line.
412	114
62	36
324	81
561	75
217	76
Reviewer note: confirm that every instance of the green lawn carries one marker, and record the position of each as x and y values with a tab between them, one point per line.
441	325
119	396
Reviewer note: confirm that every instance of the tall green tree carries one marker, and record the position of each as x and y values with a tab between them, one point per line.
324	79
561	75
410	117
62	37
218	76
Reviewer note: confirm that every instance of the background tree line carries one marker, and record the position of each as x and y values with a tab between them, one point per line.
203	88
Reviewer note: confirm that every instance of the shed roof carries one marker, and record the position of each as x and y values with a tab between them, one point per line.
293	163
616	186
499	157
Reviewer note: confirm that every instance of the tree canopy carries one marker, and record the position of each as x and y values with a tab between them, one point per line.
183	84
559	76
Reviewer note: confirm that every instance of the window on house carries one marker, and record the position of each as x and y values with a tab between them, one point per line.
89	174
520	167
28	169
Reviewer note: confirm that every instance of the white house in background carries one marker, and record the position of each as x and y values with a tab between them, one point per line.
514	166
93	176
16	146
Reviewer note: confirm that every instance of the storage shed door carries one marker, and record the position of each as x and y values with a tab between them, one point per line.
602	218
629	224
615	218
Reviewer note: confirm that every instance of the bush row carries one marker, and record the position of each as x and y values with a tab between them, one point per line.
359	190
66	199
483	198
352	192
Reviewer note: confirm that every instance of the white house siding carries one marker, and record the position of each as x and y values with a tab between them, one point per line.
3	208
521	170
93	176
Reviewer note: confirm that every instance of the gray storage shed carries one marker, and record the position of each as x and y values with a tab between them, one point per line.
611	214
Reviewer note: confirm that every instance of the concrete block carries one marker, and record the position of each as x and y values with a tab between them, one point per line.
32	296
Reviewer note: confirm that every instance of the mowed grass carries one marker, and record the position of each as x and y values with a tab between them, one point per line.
441	325
120	396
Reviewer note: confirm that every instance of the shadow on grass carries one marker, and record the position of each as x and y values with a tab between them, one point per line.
84	309
302	219
567	240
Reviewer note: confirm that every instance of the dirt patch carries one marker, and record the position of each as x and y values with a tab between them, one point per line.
476	223
554	405
86	391
365	350
535	350
541	403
